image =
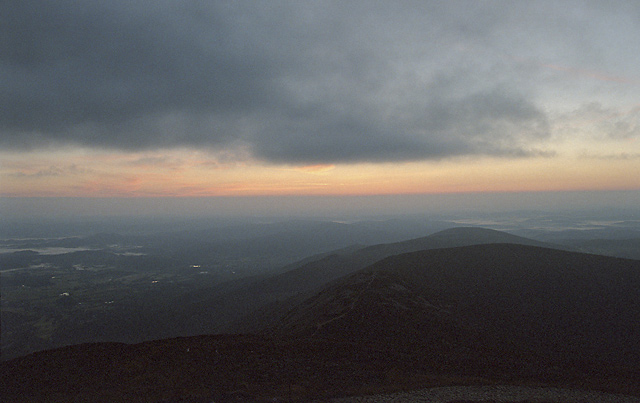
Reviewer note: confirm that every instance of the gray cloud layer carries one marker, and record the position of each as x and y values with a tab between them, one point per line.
290	82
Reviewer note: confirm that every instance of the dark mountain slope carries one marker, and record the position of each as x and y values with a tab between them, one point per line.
483	314
342	263
311	275
252	304
625	248
552	302
201	369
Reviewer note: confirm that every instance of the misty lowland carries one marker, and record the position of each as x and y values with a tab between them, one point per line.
309	309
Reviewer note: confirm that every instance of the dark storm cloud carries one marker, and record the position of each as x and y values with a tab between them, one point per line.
489	122
290	82
114	66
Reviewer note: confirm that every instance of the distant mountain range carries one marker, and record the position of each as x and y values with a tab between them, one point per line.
513	295
278	293
461	306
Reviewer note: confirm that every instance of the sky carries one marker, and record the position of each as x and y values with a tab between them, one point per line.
251	99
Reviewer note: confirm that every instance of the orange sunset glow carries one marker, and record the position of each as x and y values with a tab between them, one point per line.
420	99
186	174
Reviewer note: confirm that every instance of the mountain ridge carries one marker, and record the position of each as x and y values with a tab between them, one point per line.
311	275
487	286
473	315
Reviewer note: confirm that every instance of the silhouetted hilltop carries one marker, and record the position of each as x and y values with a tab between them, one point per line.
554	302
311	275
345	262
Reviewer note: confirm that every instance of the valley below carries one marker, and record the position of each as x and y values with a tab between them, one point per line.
314	311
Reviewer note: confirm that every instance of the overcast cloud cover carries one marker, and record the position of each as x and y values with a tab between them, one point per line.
313	82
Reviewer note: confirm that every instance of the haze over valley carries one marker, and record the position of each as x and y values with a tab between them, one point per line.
322	281
298	201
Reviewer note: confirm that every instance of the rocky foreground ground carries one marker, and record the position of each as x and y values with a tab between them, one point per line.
504	393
